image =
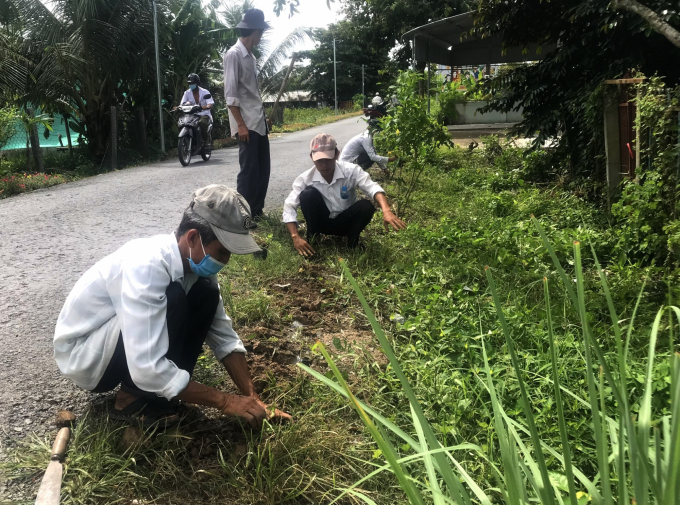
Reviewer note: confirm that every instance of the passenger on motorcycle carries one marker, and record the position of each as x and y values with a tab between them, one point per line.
197	95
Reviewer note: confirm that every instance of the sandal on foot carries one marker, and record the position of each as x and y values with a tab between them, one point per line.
147	413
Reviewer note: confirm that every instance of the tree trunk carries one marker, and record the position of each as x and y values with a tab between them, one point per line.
275	108
35	147
655	21
68	135
142	130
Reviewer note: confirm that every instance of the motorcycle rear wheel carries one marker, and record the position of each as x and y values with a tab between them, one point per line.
206	152
184	150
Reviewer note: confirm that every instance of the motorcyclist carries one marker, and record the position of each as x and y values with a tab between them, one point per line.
377	100
197	95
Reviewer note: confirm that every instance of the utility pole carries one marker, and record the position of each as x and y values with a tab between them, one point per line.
362	86
335	77
158	75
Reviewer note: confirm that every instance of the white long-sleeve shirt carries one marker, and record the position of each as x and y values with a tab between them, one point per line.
241	89
189	97
125	292
359	144
346	175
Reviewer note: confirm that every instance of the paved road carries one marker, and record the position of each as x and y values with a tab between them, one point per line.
50	237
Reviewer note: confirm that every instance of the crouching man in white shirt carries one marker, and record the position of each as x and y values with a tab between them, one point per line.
326	193
140	316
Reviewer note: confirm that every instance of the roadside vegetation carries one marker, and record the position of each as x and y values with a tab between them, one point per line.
295	119
428	289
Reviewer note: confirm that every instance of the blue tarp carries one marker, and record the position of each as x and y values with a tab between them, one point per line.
18	141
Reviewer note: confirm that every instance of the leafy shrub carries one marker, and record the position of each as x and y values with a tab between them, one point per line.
7	125
412	135
14	184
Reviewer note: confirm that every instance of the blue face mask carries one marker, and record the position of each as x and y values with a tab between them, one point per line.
192	87
207	267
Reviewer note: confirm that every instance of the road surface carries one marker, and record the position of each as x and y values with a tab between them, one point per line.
48	238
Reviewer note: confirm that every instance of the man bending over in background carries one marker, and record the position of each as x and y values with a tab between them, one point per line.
140	316
360	150
326	193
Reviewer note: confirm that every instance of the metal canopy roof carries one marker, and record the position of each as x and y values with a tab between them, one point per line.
448	42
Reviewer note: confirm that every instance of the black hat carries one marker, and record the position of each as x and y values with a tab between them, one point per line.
253	19
193	79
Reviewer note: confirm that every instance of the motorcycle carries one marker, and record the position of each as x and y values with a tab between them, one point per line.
190	141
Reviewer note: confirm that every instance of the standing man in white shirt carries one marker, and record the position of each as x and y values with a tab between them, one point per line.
360	151
246	111
139	317
326	193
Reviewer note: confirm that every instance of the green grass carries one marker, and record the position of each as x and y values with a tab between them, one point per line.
471	211
295	119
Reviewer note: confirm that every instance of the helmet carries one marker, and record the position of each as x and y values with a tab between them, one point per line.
193	79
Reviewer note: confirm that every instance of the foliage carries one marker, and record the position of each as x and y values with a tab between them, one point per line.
352	51
653	455
299	118
412	135
569	109
7	125
647	210
449	96
359	100
381	23
20	183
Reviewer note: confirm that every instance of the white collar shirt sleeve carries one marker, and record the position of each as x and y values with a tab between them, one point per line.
346	175
360	144
367	142
241	89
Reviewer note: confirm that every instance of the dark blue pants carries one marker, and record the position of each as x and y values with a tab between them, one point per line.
349	223
189	317
253	178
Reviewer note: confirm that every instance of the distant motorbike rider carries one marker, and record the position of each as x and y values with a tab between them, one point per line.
197	95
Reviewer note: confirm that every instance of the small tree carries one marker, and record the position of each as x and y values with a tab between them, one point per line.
30	121
412	135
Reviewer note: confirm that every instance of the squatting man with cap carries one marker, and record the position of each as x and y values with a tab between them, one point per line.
139	317
326	193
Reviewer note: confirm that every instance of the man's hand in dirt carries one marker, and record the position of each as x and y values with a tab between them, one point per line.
303	247
389	219
274	414
249	408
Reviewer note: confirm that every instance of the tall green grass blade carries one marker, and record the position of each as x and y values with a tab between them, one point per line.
563	275
454	486
427	460
375	415
587	483
672	448
411	459
632	320
600	443
385	446
544	487
566	449
514	484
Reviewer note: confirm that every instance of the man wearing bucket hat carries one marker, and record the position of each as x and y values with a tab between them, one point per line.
246	111
139	317
326	193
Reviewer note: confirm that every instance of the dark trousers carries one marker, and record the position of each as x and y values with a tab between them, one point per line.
189	317
253	179
349	223
364	161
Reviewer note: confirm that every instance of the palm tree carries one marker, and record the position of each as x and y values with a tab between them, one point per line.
84	55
